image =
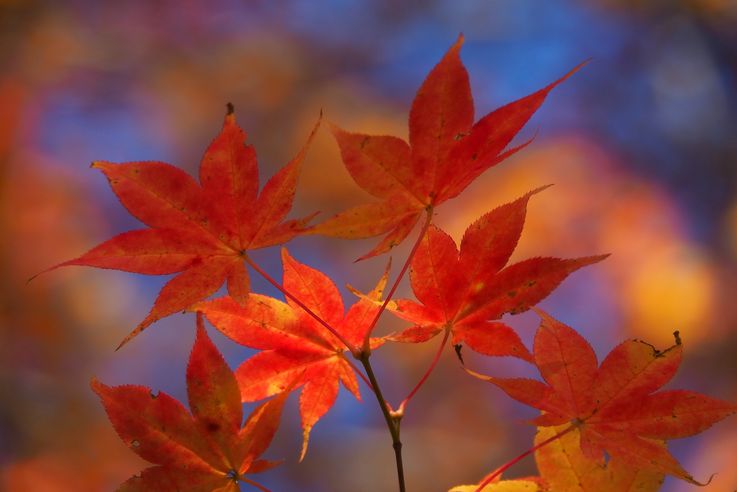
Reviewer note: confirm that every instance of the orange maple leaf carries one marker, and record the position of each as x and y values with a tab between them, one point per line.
445	153
202	230
614	405
297	351
208	450
565	468
532	484
463	291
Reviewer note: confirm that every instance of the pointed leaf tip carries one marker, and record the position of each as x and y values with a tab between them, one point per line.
96	385
541	188
311	136
378	290
129	337
99	164
567	75
305	442
229	109
137	330
598	258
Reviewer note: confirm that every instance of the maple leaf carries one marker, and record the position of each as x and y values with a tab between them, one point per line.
615	406
463	291
201	230
297	351
207	450
445	153
565	468
517	485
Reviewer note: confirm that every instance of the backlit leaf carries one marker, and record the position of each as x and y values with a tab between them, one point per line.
616	407
466	291
208	450
201	231
296	350
445	153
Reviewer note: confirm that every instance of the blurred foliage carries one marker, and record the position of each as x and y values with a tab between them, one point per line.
640	146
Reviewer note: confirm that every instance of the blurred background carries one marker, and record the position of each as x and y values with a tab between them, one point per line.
641	146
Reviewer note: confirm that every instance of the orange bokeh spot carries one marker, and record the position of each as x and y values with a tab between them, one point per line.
674	290
658	278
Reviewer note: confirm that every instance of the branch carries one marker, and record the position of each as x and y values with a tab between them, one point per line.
392	419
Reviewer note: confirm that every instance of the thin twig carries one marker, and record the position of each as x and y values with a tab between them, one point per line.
309	311
392	422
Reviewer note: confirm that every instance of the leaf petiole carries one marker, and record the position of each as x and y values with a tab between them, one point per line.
360	373
255	484
424	378
489	478
366	342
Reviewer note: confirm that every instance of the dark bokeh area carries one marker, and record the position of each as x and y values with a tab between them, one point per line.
641	146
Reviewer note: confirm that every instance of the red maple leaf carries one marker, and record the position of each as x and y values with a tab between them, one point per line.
445	153
201	230
463	291
297	351
615	406
208	450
